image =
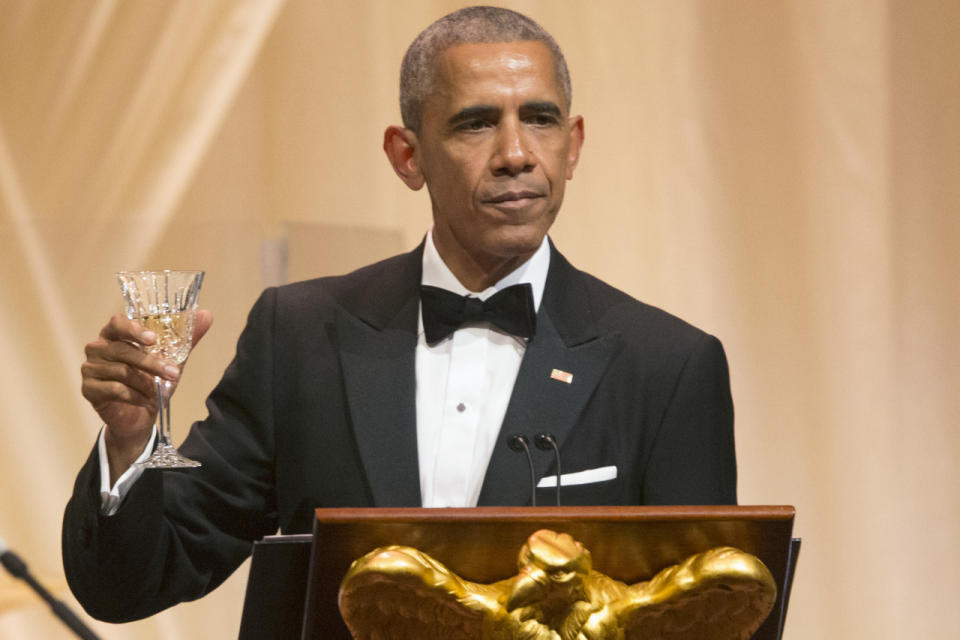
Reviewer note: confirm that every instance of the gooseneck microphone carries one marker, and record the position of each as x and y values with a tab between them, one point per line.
518	443
546	442
18	569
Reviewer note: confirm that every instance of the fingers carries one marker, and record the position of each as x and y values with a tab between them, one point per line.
109	360
106	395
201	324
122	328
103	380
118	371
119	342
108	384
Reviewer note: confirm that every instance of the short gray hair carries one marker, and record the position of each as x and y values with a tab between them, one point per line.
467	26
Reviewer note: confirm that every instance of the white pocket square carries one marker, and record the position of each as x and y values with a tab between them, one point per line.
580	477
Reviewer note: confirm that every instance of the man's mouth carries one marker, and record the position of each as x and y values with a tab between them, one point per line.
513	199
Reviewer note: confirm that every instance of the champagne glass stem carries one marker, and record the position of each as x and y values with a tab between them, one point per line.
165	455
163	411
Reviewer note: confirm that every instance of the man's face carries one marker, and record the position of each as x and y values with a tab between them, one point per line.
496	145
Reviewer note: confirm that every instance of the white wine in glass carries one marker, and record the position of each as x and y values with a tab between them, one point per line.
164	302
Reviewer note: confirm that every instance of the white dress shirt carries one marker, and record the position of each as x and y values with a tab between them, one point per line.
464	383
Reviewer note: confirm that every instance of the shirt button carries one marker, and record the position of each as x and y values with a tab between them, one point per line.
461	407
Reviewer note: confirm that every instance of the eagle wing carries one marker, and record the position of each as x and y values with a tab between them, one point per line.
721	594
399	592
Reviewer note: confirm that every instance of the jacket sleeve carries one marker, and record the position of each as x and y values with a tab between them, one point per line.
180	533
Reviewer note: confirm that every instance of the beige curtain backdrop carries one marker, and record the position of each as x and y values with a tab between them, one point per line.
783	173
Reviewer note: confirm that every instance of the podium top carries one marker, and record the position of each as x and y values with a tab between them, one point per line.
757	513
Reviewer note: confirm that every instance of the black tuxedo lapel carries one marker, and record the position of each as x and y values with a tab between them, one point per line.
376	328
567	340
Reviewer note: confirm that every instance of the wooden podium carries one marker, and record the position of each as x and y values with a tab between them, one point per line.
294	580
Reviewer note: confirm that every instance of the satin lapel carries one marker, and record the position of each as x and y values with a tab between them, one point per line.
541	403
378	340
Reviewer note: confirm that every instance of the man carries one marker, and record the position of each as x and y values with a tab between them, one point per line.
346	392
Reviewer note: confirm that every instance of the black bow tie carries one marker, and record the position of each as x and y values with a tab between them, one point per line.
510	309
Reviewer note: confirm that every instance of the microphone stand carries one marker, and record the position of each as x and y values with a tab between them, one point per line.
518	443
18	569
546	442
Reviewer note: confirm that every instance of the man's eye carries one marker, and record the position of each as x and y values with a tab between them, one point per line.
542	120
473	125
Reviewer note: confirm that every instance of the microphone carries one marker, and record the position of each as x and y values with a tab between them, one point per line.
545	442
518	442
18	569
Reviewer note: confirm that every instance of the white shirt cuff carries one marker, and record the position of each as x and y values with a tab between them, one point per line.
111	497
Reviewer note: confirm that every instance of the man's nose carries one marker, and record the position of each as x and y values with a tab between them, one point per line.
513	154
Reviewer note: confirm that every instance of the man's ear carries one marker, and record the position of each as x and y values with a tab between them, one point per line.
576	143
400	144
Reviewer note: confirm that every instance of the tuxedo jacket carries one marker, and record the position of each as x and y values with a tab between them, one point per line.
317	409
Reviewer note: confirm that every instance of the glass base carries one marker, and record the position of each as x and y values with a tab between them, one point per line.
167	457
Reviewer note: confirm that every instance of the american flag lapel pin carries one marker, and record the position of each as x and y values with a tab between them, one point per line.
562	376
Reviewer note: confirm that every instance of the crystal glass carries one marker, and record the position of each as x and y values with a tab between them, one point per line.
164	302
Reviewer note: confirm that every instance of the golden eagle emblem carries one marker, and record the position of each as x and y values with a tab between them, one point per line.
400	593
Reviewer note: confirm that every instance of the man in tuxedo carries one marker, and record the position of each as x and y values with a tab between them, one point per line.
405	383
